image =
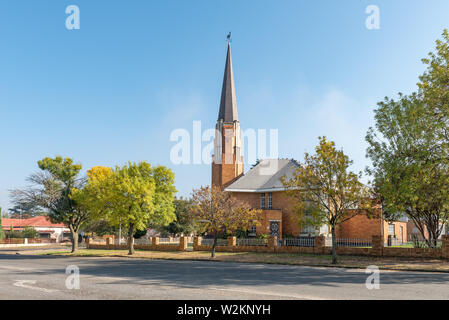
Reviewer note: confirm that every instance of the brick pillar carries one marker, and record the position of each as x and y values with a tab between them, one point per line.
319	244
377	245
25	241
445	247
155	241
182	243
272	243
196	243
170	239
232	241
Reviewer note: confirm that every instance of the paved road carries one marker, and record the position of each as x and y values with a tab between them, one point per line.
40	277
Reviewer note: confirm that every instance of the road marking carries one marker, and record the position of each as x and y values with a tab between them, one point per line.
26	284
270	294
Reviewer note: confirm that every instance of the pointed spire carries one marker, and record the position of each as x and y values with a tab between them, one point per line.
228	103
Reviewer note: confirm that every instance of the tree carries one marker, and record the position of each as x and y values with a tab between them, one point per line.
51	189
132	196
410	149
220	213
184	223
25	211
2	233
324	190
30	232
99	227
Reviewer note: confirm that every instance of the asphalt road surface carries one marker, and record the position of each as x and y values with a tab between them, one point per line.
44	277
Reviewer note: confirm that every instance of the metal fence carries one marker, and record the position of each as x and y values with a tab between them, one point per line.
349	242
393	242
252	242
210	242
168	240
140	241
298	242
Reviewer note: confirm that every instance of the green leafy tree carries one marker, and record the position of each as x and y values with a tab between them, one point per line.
324	191
99	227
30	232
132	196
184	223
51	189
409	149
218	213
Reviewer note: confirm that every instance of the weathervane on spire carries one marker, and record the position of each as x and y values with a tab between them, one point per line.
228	38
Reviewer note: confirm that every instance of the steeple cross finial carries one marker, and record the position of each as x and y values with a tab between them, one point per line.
228	38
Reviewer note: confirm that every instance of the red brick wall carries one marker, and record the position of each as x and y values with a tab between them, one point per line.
226	172
362	227
359	227
281	205
410	226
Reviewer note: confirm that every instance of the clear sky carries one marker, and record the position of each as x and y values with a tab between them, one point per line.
115	89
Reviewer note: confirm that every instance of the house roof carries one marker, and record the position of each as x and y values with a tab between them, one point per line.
228	102
39	221
265	176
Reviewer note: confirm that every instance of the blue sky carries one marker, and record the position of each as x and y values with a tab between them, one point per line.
114	90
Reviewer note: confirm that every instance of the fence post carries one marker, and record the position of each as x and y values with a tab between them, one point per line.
182	243
445	247
108	242
196	243
319	244
272	243
87	243
25	241
377	245
232	241
155	241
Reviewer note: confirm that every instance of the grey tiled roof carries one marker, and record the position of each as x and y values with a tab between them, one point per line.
265	176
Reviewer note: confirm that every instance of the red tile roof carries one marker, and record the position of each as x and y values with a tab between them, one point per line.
39	221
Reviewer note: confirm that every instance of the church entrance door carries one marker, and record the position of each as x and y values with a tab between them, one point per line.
274	228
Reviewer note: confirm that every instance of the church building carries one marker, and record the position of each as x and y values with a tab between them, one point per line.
261	186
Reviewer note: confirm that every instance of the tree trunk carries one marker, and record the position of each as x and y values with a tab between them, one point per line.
74	241
131	239
214	246
334	246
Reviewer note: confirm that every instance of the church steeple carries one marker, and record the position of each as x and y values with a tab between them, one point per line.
228	102
227	161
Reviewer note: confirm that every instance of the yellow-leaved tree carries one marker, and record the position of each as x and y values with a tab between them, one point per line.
325	191
132	196
217	212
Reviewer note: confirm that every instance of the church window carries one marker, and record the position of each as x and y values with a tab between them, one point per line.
262	200
270	200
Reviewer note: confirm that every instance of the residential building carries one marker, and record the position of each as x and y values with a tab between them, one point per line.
49	231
